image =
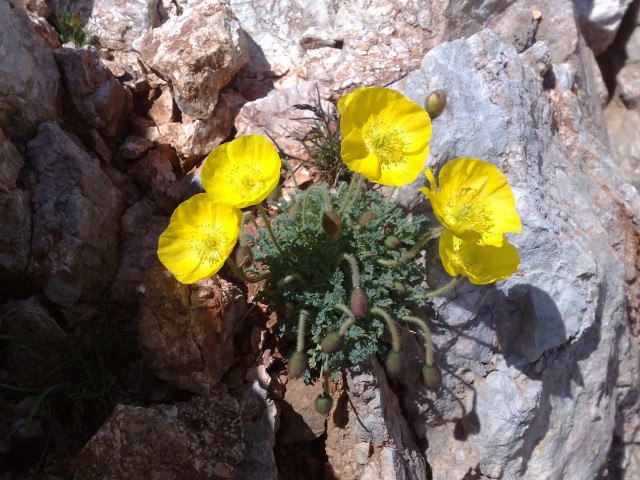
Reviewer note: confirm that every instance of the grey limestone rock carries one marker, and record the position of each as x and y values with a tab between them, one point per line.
185	332
367	436
99	99
260	419
530	364
76	216
15	213
201	439
622	125
197	53
119	23
29	79
628	80
599	20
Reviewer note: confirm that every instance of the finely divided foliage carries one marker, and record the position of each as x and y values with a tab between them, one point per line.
312	275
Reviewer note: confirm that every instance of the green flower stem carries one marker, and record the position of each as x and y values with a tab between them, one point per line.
393	330
350	321
246	217
355	272
391	192
352	193
415	249
428	346
291	172
422	241
328	206
348	194
434	293
325	380
325	198
267	222
302	319
241	273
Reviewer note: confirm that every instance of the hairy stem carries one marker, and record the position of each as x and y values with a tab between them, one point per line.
350	321
292	173
267	222
415	249
352	193
302	319
428	346
393	329
353	264
434	293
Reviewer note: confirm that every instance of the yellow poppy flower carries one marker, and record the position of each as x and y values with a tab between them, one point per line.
474	201
385	135
199	238
482	264
242	172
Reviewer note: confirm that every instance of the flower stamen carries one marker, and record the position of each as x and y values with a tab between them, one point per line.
207	242
465	209
386	142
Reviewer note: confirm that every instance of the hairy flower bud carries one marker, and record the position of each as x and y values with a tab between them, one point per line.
275	194
435	103
289	309
323	404
431	377
365	219
331	343
359	302
392	242
294	210
398	289
394	363
244	256
297	364
331	223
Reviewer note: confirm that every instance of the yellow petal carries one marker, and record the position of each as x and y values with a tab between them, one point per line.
355	154
346	99
242	172
475	201
385	135
482	264
200	236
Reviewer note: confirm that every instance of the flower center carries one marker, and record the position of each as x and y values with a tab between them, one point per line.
386	142
247	179
468	259
466	212
207	242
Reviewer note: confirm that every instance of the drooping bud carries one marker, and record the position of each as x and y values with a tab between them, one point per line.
394	363
275	194
331	343
244	256
435	103
398	289
294	210
297	364
289	309
323	404
359	302
331	223
392	242
365	219
431	377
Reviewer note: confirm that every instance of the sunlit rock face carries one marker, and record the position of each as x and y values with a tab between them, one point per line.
531	364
